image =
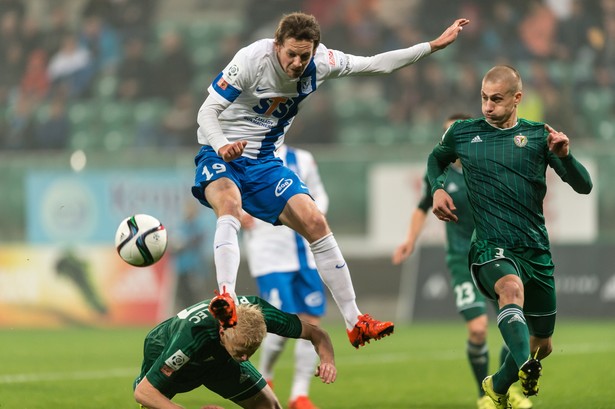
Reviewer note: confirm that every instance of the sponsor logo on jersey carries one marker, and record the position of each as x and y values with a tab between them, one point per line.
476	139
177	360
331	58
452	187
243	377
520	140
283	184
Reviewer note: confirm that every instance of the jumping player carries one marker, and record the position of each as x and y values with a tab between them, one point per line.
251	105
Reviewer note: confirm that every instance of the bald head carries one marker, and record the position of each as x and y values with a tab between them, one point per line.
505	75
500	94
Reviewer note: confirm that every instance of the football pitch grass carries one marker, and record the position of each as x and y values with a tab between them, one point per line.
422	365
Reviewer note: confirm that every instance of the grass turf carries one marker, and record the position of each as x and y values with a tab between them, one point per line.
421	366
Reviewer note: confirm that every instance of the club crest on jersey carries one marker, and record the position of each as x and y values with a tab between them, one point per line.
306	85
520	140
283	184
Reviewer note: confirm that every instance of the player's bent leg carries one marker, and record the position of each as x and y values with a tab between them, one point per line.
264	399
540	347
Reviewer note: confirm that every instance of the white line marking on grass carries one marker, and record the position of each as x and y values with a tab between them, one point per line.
62	376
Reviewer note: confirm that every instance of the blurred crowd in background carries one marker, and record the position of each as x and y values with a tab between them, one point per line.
109	74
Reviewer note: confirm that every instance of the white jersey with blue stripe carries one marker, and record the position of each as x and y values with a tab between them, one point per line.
280	249
259	100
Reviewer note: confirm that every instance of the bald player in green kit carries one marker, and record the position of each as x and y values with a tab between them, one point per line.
505	160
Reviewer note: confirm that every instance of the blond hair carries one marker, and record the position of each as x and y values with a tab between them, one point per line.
250	329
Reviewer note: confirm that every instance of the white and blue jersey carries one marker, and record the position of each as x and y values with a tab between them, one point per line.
254	100
259	101
279	258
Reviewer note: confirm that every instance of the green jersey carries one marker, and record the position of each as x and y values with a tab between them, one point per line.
505	173
458	235
184	351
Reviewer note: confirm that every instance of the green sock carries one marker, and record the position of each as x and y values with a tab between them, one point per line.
515	333
503	354
478	356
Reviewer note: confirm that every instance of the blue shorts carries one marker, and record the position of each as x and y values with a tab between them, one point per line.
265	184
297	292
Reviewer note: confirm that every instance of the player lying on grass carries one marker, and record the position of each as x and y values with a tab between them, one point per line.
191	350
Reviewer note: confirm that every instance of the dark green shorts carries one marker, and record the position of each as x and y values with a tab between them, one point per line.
469	301
534	267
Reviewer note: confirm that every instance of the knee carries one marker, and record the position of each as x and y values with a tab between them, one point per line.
510	290
230	206
316	226
477	330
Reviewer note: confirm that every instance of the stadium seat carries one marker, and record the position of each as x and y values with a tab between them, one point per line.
204	55
606	129
105	87
354	135
596	106
116	114
118	138
86	140
149	111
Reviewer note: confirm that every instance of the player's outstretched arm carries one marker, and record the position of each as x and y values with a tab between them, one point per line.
324	348
151	398
449	35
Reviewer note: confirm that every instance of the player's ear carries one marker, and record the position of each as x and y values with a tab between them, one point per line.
518	96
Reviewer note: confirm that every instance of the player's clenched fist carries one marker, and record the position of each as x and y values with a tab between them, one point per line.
232	151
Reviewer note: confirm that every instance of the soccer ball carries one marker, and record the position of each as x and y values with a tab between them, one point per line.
141	240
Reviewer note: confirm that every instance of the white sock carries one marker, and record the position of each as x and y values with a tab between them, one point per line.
270	351
305	366
226	253
335	273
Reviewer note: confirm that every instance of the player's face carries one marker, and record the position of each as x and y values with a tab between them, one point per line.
499	103
294	55
237	352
